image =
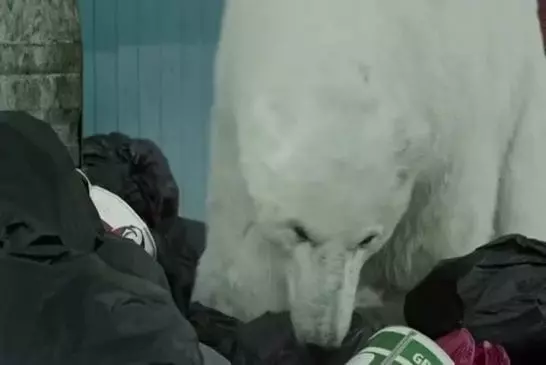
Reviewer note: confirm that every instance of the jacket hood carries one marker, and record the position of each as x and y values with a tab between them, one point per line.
45	209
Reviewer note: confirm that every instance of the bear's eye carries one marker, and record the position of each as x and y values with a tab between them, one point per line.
301	233
366	241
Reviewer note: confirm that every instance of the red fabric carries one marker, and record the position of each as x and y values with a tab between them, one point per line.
489	354
462	349
460	346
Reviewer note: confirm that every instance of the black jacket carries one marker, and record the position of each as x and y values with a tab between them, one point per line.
72	294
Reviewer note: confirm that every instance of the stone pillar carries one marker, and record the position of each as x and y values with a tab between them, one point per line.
41	64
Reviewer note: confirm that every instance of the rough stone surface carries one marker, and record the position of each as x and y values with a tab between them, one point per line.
41	64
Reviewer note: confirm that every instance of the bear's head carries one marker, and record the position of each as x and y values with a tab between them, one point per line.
326	143
328	191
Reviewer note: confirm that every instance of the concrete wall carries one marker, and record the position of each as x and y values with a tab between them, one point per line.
40	63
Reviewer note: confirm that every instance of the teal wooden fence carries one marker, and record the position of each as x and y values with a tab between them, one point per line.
148	73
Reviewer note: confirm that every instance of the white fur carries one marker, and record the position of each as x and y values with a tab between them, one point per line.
423	122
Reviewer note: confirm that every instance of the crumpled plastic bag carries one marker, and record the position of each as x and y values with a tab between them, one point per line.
215	329
269	339
498	293
136	170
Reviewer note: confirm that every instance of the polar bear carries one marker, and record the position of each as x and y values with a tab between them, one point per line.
355	143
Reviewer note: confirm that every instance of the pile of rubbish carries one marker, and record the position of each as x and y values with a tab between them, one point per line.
78	290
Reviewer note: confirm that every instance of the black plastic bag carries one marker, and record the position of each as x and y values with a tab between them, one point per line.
134	169
267	340
270	339
215	329
137	171
498	292
180	244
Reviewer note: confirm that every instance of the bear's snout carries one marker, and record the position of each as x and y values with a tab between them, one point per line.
322	285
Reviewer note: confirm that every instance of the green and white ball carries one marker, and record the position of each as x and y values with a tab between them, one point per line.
400	346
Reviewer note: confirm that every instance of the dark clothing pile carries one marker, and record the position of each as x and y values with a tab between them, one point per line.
72	293
498	293
269	339
76	294
134	169
137	171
